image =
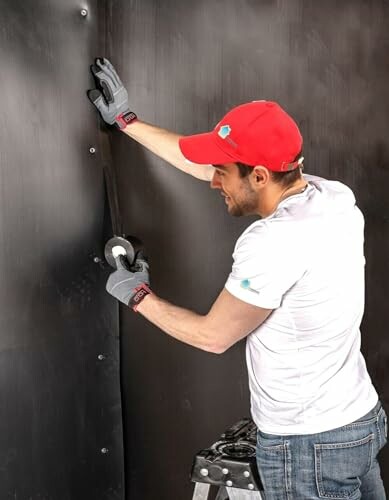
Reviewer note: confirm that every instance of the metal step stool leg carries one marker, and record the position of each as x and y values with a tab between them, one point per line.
238	494
222	494
201	491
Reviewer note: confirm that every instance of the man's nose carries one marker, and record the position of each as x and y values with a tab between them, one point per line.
215	182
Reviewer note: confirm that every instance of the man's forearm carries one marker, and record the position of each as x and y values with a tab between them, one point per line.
180	323
164	144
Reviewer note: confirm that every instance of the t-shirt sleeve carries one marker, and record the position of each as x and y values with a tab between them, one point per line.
264	268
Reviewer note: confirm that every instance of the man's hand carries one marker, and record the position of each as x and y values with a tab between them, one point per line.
130	285
110	98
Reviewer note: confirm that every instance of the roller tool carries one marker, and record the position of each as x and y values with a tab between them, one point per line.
126	246
120	244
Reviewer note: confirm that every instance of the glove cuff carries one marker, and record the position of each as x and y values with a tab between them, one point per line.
125	119
139	294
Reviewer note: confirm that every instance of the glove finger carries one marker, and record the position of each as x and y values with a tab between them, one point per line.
101	76
121	263
113	71
96	97
107	91
96	72
140	255
102	83
143	266
140	265
93	95
110	70
98	75
108	74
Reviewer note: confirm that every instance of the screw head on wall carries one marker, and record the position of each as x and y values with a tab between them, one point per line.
84	12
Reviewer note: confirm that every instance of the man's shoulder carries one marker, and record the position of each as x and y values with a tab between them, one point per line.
257	229
328	185
262	235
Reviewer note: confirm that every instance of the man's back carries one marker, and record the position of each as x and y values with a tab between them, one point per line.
306	262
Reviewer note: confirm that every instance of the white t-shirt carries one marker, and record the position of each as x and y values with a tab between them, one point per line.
306	261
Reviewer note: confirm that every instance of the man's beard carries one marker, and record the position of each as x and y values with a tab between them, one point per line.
248	205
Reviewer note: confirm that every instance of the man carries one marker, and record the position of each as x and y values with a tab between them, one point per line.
296	291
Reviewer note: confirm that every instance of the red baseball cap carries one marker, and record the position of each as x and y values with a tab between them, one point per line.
255	133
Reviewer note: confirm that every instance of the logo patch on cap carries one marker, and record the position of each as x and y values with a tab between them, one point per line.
224	131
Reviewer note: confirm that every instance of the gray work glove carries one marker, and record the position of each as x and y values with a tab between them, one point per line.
130	285
110	98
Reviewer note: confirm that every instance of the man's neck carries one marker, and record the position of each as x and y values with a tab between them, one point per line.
279	195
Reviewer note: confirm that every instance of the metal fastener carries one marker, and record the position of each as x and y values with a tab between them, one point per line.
101	357
92	150
225	471
84	12
204	472
246	473
250	486
229	483
104	450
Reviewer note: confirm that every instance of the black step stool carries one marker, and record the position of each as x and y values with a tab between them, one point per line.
230	464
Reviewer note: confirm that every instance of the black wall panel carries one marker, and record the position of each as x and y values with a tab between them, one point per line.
59	403
185	64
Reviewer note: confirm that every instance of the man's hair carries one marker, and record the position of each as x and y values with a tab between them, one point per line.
285	179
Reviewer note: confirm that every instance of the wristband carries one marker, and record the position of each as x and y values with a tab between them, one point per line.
139	295
125	119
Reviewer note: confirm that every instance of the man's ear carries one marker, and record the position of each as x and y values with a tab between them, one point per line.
260	175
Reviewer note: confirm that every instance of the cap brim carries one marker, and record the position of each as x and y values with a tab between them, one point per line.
202	149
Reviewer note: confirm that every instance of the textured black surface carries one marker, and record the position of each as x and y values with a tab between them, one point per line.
59	404
185	64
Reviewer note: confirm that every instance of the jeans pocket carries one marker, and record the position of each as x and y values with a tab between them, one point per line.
274	467
338	466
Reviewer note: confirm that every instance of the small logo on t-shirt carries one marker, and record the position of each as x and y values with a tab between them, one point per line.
246	285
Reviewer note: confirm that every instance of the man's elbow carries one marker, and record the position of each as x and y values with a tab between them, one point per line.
221	349
216	347
213	341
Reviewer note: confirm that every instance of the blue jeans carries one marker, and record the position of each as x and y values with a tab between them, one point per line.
341	463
